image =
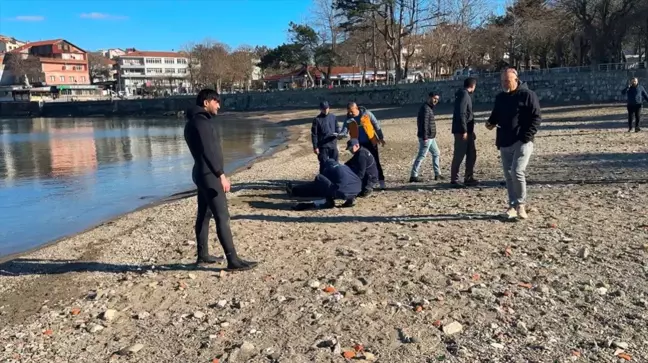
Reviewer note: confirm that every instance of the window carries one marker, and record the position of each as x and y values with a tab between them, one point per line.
154	70
169	70
182	60
78	68
182	70
154	60
169	61
52	78
83	79
62	78
71	79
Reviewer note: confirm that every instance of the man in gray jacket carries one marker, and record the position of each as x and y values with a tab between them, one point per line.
463	128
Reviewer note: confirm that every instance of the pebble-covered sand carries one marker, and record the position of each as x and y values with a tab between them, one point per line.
417	273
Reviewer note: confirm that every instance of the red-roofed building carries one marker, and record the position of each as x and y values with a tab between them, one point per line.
7	44
62	63
144	71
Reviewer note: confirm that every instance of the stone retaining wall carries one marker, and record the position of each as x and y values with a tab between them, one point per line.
551	88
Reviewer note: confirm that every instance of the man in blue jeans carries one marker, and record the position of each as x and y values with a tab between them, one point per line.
516	115
427	139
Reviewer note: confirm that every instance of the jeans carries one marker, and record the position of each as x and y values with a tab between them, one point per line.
427	146
515	159
634	111
326	153
463	149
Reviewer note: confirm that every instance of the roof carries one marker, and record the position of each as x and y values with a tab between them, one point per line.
140	53
43	42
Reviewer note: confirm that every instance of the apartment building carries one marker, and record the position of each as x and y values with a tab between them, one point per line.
7	44
62	63
141	72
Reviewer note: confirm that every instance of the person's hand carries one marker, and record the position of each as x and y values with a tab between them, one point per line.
227	186
490	126
316	151
382	142
465	136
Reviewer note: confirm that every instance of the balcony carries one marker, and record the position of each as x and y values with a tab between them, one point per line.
131	66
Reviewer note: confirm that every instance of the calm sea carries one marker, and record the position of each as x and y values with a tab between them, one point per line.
62	176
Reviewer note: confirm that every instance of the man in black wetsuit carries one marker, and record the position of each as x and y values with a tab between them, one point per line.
204	143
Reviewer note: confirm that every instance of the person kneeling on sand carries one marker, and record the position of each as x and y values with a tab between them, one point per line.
337	181
363	165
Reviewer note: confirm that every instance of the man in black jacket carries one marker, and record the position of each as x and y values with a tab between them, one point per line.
636	95
516	115
426	133
463	128
204	143
363	165
324	132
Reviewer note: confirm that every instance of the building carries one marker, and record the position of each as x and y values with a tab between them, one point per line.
55	65
340	76
147	72
7	44
112	53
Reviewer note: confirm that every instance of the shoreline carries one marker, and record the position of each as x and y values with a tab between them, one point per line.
285	138
415	272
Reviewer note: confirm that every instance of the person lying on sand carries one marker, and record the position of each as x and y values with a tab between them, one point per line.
337	181
363	165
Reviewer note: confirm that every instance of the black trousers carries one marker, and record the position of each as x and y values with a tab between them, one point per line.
213	203
634	111
326	153
463	149
373	149
321	187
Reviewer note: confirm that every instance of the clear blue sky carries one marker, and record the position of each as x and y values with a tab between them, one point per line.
153	24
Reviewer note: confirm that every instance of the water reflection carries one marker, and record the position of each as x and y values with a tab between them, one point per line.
63	175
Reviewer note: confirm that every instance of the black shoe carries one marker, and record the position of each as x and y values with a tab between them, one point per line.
637	130
365	193
209	259
241	265
330	203
348	203
471	182
303	206
439	177
415	179
456	184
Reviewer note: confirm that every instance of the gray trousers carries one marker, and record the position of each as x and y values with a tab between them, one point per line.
463	149
515	159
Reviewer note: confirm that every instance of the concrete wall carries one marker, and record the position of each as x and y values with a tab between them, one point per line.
551	88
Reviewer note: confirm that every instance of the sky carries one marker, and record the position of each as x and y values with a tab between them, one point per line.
153	24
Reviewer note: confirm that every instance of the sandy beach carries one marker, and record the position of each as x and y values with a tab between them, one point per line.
416	273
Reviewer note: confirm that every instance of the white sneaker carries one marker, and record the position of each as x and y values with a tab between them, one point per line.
521	211
382	184
511	213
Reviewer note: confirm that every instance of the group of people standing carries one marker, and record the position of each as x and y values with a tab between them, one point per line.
515	115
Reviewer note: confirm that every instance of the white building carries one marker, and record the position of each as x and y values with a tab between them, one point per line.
112	53
141	72
8	44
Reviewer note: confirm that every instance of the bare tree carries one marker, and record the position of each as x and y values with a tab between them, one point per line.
326	20
24	68
99	66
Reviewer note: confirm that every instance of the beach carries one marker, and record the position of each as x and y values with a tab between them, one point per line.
416	273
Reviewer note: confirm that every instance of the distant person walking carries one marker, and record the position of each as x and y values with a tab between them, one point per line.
463	128
324	133
516	115
205	145
636	95
361	124
426	133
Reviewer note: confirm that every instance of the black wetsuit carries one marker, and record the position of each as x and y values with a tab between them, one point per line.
204	143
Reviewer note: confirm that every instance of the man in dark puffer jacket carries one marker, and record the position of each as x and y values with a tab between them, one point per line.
427	139
636	95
